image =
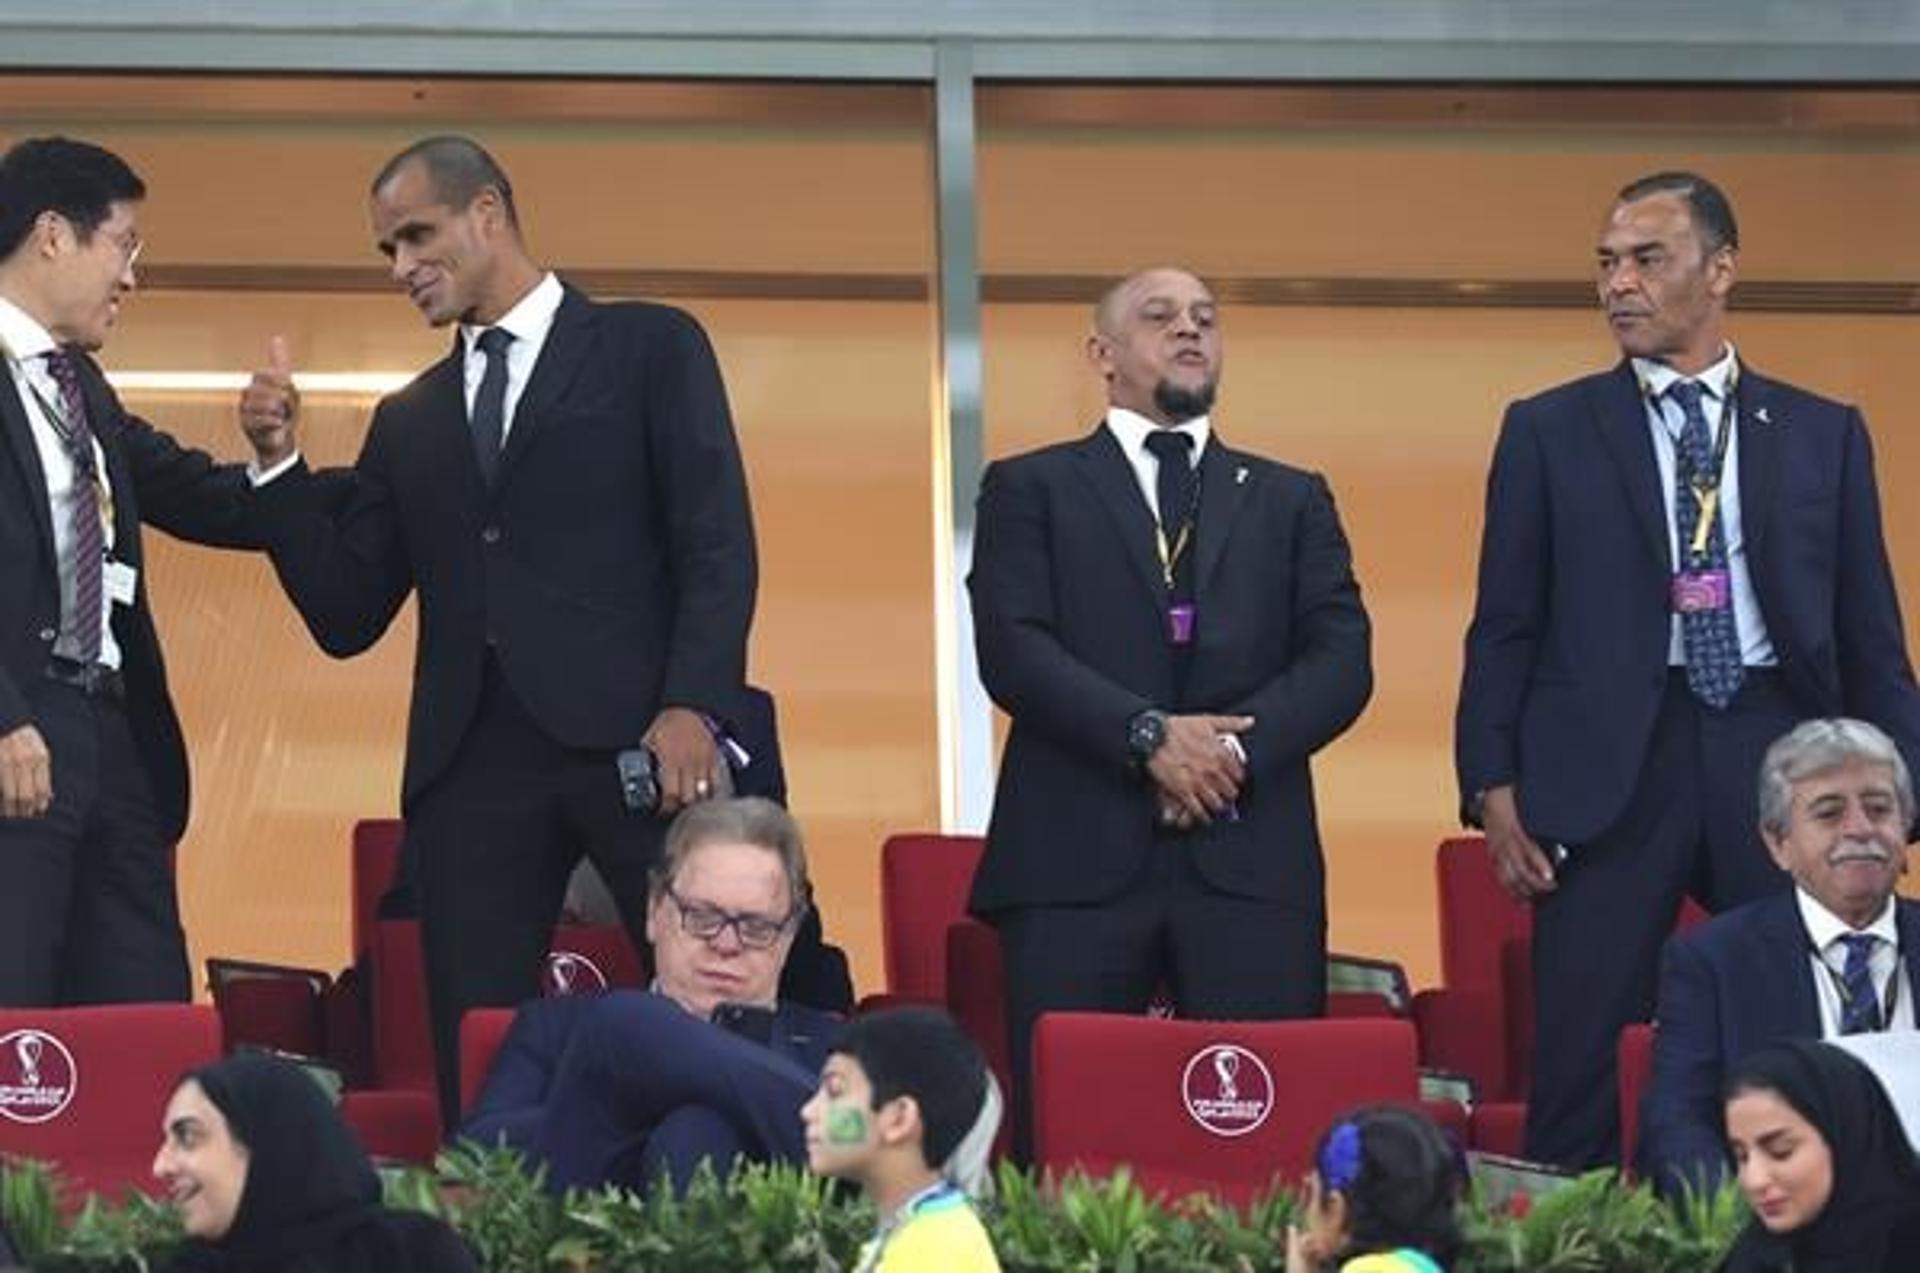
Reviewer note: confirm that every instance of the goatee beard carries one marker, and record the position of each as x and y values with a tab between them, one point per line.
1181	405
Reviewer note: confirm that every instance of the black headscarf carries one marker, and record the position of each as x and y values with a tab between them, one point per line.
1876	1177
311	1199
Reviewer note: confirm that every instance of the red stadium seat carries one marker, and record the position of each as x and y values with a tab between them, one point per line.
1635	1059
376	859
1464	1025
270	1006
924	882
1206	1106
482	1031
394	1125
85	1088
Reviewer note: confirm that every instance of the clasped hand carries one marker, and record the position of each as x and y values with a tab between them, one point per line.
1197	773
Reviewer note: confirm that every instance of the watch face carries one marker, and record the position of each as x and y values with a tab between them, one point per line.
1148	732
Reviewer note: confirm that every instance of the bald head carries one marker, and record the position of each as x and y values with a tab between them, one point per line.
1111	309
1156	341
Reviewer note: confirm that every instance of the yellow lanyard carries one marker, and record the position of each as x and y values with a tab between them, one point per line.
1706	486
1170	554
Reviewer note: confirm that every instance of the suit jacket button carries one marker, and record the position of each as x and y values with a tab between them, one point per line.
491	535
47	634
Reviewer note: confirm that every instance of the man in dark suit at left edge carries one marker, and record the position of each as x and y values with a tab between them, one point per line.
93	772
565	493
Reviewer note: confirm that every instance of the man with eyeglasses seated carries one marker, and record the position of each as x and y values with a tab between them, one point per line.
707	1064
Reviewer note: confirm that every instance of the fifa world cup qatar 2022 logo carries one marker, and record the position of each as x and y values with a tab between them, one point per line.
1227	1089
569	972
38	1078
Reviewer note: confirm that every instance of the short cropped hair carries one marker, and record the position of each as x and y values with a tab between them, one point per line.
1818	747
76	179
741	820
922	1053
1712	211
458	169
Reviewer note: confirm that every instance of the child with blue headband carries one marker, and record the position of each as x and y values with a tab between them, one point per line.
1383	1197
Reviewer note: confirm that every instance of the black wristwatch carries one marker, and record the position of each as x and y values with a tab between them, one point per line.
1146	731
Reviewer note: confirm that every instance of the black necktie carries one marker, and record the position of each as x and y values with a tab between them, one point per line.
87	507
490	404
1174	487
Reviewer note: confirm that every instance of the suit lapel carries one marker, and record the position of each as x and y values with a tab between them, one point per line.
561	357
1761	434
1906	919
104	416
1223	486
13	422
1788	969
1621	417
1106	469
445	429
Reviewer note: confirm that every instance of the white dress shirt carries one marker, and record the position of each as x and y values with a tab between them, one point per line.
1829	957
1131	429
27	343
1665	420
529	321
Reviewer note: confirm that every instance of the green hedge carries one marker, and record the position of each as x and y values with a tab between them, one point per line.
781	1219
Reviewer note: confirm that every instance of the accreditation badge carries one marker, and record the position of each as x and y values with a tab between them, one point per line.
1180	621
1694	591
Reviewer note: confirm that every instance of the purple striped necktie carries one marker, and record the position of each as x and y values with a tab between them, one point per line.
85	509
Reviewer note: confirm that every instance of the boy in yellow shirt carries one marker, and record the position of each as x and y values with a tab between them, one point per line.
898	1095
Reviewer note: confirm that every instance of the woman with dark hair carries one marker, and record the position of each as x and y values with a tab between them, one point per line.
1384	1197
266	1176
1822	1160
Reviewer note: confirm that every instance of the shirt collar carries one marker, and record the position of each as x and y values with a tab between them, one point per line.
25	339
1131	429
528	320
1656	377
1824	927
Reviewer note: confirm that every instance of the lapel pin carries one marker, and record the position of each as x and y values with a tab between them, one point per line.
1240	476
1760	414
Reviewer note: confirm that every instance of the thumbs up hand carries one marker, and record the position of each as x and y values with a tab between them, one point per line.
268	406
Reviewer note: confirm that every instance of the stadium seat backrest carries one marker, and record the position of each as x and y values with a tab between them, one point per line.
482	1031
1636	1067
1476	915
86	1088
376	859
924	882
1205	1106
589	958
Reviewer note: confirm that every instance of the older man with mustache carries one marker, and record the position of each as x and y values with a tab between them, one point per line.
1839	956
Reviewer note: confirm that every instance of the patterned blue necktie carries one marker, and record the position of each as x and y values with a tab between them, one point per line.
1860	1014
1709	638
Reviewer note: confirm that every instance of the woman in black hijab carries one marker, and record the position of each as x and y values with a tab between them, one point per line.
1823	1161
267	1176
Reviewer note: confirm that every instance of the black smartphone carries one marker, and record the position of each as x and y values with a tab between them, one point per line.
639	779
747	1020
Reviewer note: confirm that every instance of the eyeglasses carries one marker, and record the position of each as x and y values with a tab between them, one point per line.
130	245
755	932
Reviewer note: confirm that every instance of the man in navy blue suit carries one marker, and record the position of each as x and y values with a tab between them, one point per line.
1838	957
708	1064
1681	558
